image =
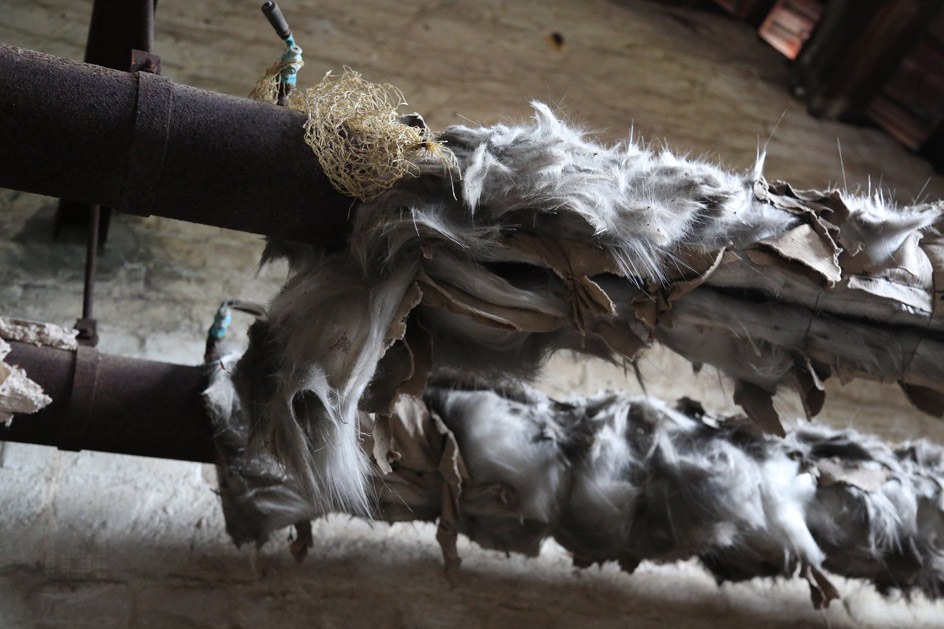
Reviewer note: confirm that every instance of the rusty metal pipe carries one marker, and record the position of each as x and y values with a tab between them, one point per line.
114	404
143	144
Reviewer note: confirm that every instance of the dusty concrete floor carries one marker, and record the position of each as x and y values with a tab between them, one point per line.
102	540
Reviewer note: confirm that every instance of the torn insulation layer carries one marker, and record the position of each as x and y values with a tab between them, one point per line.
624	478
19	394
552	242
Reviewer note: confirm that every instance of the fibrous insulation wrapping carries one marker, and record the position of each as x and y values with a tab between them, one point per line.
551	241
619	477
556	242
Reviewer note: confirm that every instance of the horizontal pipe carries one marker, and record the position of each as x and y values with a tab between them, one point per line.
113	404
143	144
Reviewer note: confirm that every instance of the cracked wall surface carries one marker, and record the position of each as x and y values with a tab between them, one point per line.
96	540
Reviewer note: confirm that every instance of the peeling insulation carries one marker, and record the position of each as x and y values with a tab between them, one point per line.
38	333
624	478
555	242
19	394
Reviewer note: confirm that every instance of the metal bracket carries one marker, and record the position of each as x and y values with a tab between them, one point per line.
72	431
88	332
152	115
144	61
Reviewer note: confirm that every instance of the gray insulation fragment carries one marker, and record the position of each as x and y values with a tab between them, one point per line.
552	241
619	477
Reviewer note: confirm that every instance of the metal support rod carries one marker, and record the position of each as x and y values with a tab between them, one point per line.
87	325
143	144
274	14
91	253
114	404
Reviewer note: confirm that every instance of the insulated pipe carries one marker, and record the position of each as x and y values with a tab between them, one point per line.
143	144
113	404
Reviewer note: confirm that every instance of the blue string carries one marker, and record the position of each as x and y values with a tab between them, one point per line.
292	54
221	321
